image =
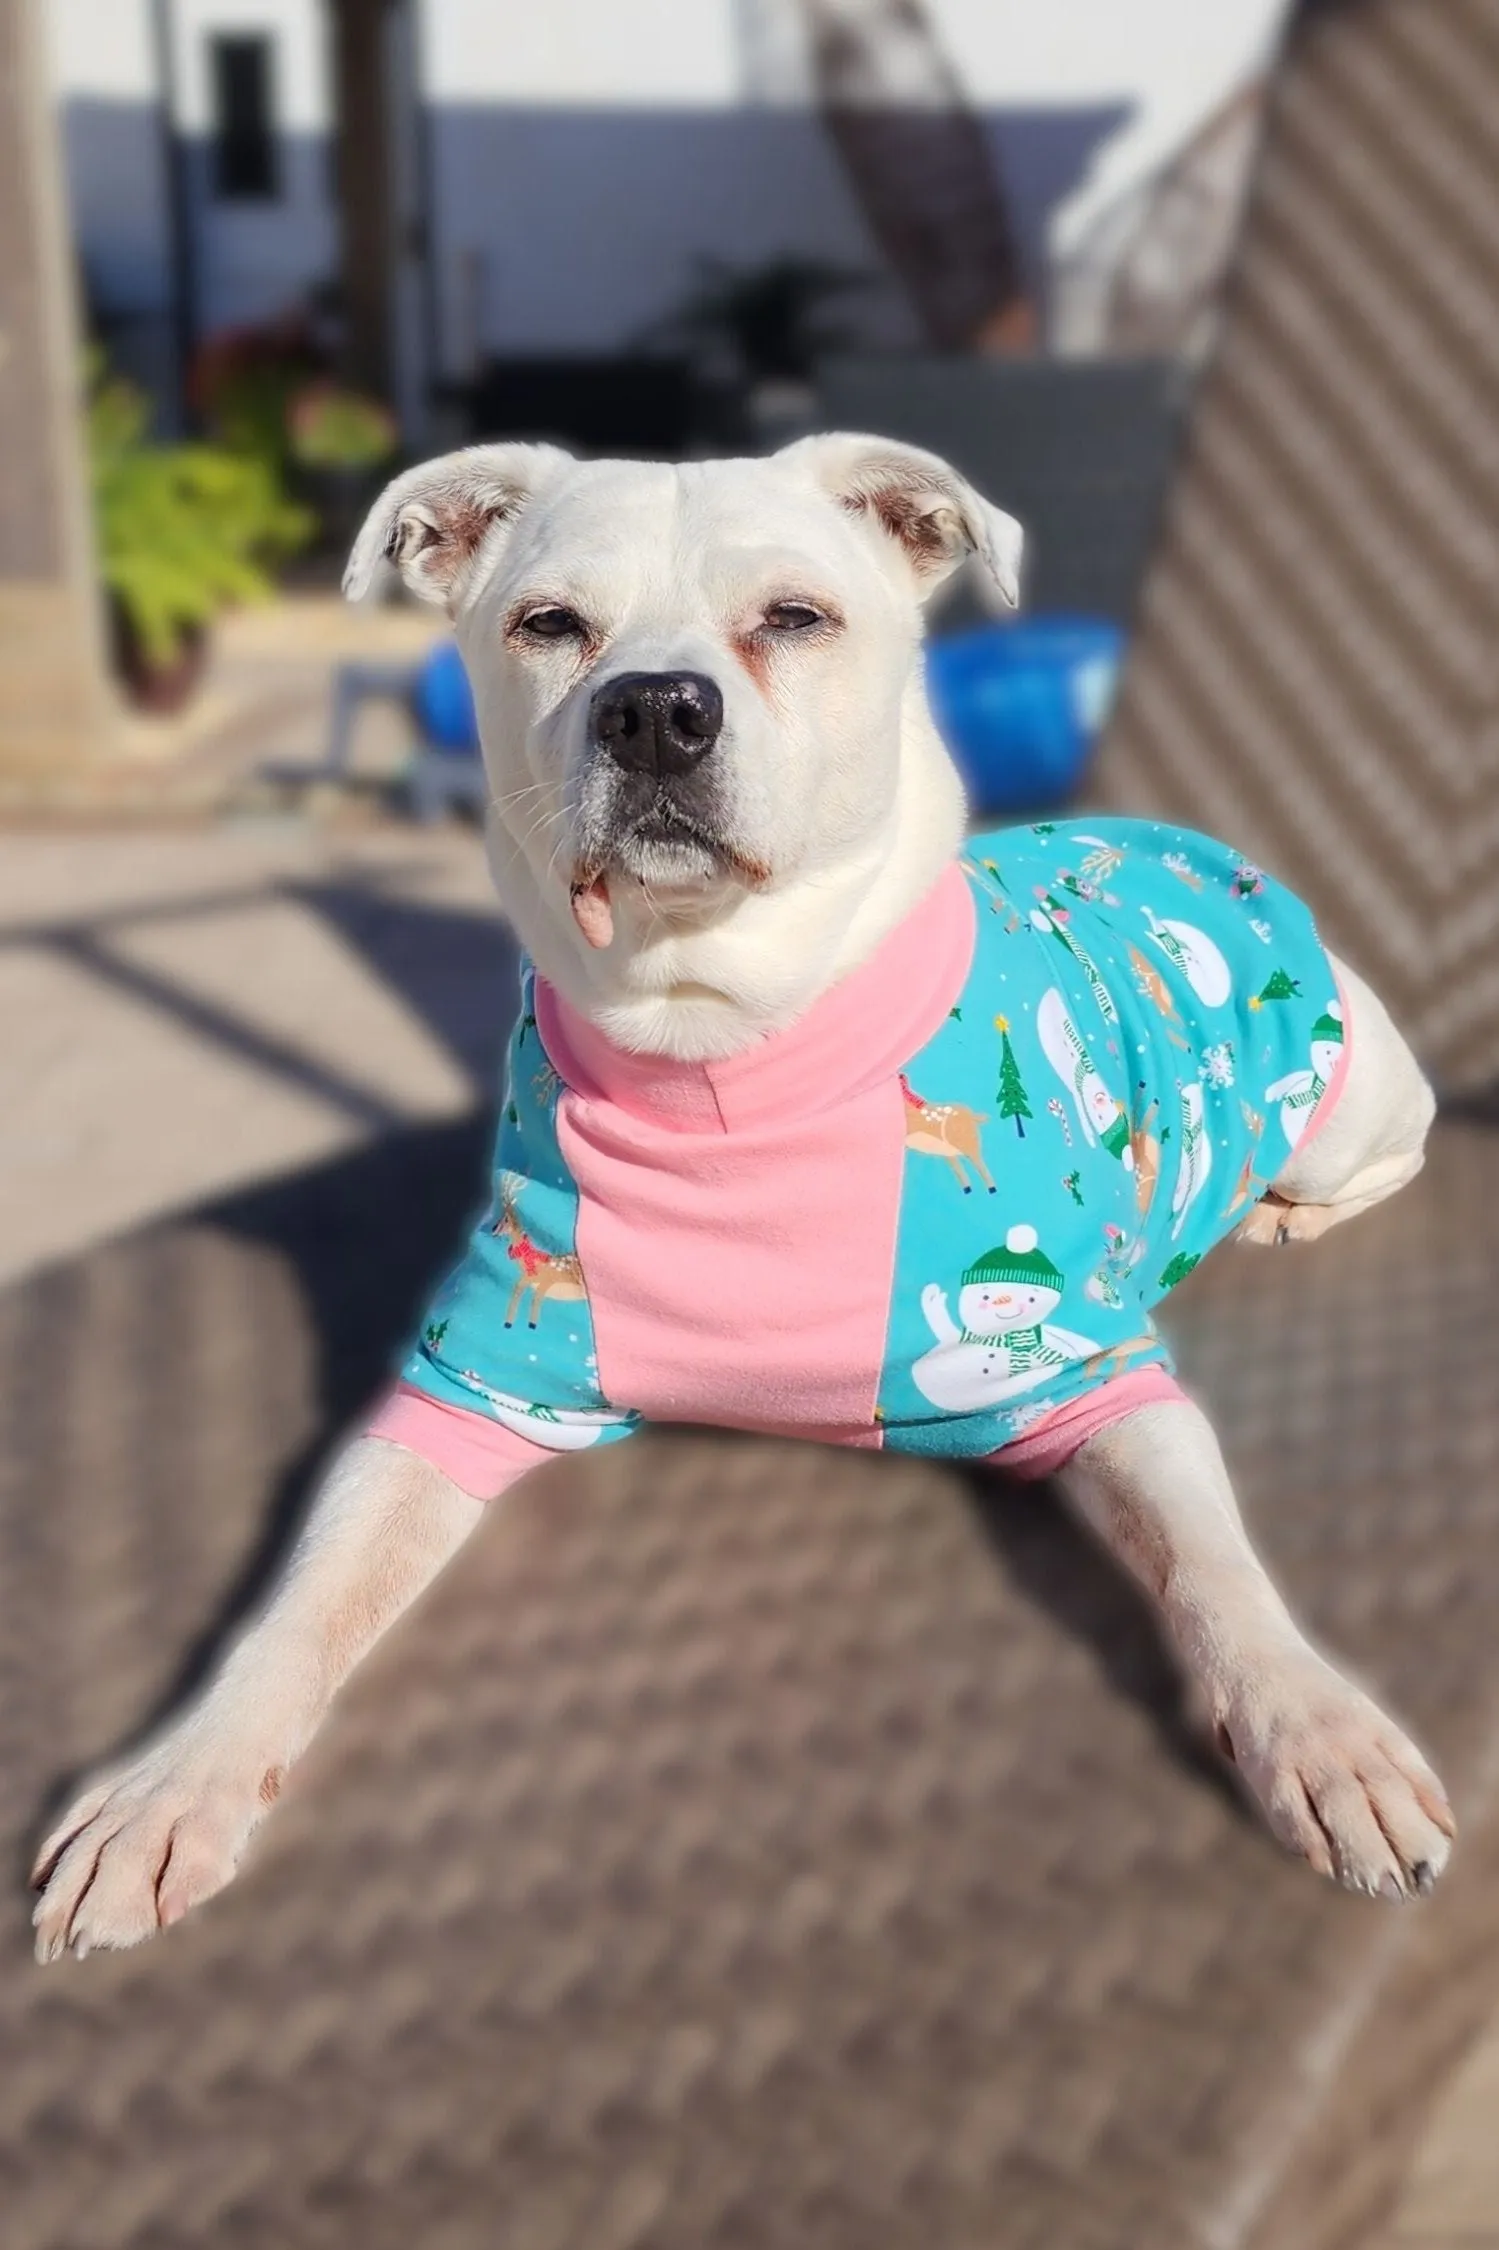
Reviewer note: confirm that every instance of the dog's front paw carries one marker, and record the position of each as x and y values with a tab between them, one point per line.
1273	1221
1338	1781
145	1844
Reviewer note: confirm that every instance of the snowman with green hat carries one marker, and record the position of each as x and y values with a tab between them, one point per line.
1002	1341
1193	952
1053	919
1299	1092
1100	1113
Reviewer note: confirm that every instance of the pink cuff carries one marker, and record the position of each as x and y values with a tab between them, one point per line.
483	1458
1051	1445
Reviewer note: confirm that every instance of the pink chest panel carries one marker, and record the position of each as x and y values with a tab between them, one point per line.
692	1244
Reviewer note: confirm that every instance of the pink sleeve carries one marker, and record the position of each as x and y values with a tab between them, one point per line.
483	1458
1052	1443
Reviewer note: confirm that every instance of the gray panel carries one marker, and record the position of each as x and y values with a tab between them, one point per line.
1080	452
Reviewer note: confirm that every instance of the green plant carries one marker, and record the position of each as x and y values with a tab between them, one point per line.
332	428
183	530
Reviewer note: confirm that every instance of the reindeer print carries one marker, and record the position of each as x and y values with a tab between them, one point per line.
1248	1188
542	1273
946	1129
1104	1366
1146	1145
1152	986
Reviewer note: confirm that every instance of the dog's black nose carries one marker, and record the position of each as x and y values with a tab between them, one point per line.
657	722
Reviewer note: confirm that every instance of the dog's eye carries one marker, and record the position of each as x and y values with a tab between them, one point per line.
793	617
554	623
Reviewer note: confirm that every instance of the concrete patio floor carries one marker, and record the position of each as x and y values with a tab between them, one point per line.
263	702
185	1012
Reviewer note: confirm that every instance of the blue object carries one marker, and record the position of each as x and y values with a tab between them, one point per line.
1019	706
444	702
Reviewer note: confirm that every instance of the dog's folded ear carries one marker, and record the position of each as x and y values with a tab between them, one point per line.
918	500
435	523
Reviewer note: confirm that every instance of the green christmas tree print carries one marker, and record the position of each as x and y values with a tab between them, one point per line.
433	1334
1012	1097
1180	1266
1280	987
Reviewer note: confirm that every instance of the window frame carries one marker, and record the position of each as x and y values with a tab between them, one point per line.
244	152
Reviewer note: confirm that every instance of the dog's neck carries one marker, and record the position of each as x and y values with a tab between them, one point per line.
705	981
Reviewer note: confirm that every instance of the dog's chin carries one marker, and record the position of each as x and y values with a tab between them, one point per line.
677	863
672	855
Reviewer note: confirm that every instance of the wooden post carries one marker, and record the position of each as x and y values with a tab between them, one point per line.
917	159
54	702
363	101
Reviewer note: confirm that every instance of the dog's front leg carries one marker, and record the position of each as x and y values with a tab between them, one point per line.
1337	1780
165	1829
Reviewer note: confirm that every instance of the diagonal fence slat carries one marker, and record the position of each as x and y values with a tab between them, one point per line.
1316	668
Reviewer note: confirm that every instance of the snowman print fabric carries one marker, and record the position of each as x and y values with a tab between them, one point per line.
1148	1028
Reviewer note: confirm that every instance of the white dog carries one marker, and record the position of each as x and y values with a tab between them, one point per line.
719	801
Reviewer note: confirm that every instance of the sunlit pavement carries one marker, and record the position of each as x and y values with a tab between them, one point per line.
263	702
181	1014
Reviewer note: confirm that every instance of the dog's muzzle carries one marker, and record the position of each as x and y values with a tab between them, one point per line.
652	795
658	724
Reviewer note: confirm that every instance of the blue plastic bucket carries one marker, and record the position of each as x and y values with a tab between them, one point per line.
1020	705
445	702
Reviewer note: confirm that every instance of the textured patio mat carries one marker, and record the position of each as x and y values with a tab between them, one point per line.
742	1846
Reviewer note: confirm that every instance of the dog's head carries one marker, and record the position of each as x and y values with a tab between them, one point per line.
692	682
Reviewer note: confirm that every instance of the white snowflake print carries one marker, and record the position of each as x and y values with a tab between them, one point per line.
1025	1417
1262	930
1217	1065
1178	864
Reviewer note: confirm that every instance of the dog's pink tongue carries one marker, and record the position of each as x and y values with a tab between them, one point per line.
592	911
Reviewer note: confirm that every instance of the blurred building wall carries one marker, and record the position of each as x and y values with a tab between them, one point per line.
619	205
583	155
252	258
